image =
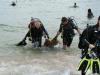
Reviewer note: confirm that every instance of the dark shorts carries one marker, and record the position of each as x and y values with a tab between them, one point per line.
67	40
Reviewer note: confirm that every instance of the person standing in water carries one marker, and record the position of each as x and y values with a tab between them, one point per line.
67	29
90	39
75	5
90	14
13	3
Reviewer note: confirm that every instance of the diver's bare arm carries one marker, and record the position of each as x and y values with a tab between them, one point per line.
79	32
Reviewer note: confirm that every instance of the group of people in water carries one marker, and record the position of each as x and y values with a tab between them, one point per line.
89	41
37	30
67	26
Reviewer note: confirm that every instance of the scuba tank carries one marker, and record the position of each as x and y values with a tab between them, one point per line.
71	21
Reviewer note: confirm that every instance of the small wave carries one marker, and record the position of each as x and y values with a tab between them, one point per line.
3	25
9	28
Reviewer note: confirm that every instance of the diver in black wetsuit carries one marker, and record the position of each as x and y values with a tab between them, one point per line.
90	35
36	30
90	38
13	4
67	28
90	14
75	5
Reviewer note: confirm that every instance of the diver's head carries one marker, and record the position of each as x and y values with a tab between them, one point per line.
74	4
89	10
34	19
64	20
13	4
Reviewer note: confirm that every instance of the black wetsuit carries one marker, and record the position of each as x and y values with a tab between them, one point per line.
67	33
90	34
36	34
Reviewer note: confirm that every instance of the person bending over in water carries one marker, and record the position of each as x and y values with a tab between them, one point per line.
36	30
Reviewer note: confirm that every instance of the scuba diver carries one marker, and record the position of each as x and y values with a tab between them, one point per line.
36	31
90	14
75	5
90	45
67	27
13	4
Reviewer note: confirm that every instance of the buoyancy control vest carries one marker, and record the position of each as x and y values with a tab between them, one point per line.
90	34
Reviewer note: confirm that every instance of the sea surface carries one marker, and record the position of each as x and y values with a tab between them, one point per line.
26	60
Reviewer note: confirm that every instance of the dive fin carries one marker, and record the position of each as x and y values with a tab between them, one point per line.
21	43
95	65
84	64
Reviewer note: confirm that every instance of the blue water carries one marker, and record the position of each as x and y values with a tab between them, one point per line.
28	61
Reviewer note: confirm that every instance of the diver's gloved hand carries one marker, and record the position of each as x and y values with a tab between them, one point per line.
91	46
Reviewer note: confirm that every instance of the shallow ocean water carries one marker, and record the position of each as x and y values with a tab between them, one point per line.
45	61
